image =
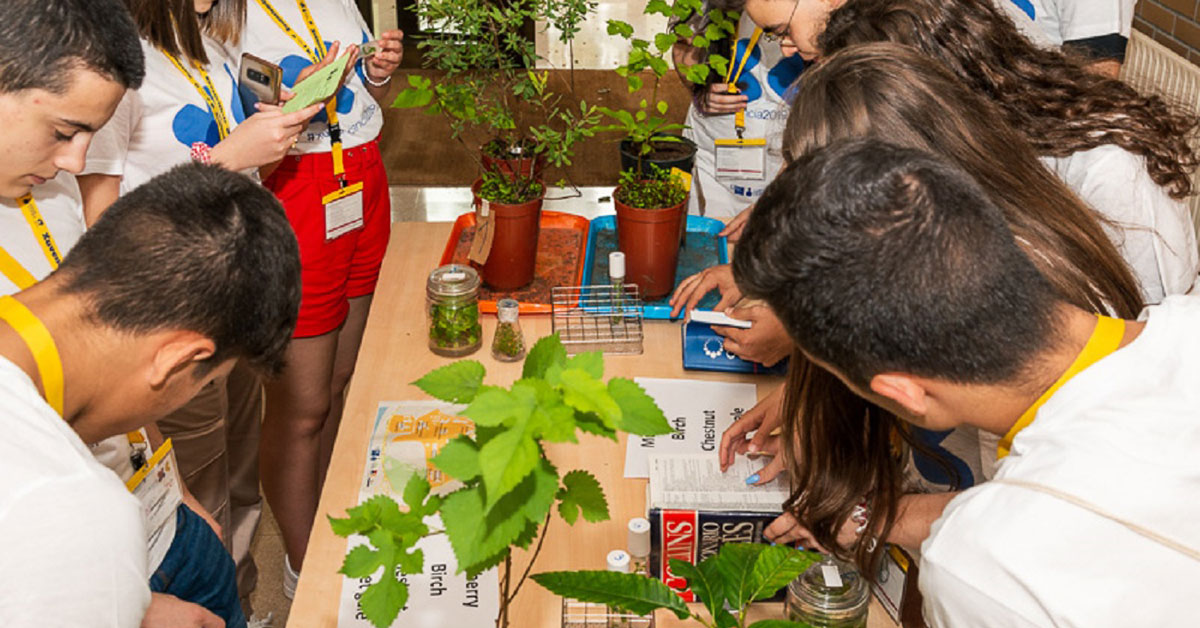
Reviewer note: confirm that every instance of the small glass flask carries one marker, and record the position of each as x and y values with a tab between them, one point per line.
452	300
508	345
829	594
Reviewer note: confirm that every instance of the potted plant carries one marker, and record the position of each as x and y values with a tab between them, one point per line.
509	488
489	92
738	574
651	211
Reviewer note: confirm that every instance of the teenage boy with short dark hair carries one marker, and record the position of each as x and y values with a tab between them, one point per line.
896	273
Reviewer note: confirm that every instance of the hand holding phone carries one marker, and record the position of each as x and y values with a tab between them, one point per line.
259	81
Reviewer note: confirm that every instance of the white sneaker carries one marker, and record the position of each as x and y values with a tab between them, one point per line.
290	578
261	622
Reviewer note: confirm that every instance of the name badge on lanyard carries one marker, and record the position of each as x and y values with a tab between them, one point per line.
343	211
159	490
744	159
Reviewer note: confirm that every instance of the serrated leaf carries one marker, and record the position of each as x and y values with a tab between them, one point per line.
459	459
588	394
684	31
495	406
479	541
545	352
457	382
590	423
657	6
381	602
411	562
591	363
640	415
629	592
415	492
555	424
505	461
664	41
581	492
361	562
617	27
706	583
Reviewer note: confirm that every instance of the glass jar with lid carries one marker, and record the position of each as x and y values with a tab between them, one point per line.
452	306
829	594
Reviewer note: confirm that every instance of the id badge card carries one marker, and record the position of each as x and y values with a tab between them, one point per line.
159	490
743	159
343	211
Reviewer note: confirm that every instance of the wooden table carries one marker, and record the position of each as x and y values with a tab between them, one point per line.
394	353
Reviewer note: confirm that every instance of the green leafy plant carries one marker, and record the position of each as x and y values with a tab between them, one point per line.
648	127
508	342
660	189
489	86
509	487
740	573
454	325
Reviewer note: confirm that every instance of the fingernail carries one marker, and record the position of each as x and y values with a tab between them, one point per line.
800	546
772	544
753	448
752	479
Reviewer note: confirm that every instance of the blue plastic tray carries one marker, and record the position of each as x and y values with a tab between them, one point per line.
703	249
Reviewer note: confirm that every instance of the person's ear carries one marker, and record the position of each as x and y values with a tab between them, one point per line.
905	390
175	352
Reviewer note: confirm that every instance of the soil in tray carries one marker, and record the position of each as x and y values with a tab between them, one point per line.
699	253
557	258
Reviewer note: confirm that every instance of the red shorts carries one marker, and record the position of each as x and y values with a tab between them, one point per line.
336	271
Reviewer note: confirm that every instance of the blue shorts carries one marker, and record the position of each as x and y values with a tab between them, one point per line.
198	569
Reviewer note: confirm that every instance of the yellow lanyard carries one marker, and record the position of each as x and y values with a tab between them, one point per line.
207	92
13	269
335	134
731	79
41	345
1105	339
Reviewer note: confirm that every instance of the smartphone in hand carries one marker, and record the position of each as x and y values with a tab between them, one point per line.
259	80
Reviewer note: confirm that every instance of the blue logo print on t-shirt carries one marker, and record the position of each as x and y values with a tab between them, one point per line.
193	124
1027	7
779	78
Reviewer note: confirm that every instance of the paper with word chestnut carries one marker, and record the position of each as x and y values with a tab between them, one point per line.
407	435
698	410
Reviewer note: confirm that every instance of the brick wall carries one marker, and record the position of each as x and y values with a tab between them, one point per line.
1172	23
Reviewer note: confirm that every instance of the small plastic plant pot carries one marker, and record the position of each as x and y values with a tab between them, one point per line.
513	256
666	155
650	240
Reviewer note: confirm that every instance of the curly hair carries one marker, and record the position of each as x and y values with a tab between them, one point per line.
1050	97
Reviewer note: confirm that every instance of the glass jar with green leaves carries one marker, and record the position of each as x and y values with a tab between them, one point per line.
452	305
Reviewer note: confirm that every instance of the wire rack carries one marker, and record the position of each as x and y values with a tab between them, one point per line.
598	318
576	614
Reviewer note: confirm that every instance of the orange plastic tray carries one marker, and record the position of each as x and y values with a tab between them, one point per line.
530	304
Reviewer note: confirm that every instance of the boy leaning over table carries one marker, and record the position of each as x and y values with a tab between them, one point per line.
182	277
894	271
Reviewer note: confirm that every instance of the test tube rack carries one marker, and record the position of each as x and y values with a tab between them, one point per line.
577	614
598	318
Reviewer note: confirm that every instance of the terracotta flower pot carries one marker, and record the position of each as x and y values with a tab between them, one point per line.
650	240
510	264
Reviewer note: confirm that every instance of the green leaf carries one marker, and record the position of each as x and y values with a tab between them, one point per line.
459	459
776	566
735	563
590	423
479	541
381	602
495	406
706	583
546	351
505	461
640	415
588	394
581	492
412	97
658	6
617	27
662	107
684	31
664	41
591	363
415	492
361	562
457	382
411	562
629	592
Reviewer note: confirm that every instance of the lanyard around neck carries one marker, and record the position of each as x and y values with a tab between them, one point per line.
207	91
1105	339
9	266
731	78
315	54
41	345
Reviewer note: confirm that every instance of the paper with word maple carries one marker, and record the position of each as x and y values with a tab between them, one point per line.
698	410
407	435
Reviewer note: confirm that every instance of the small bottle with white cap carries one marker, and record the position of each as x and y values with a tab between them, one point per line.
618	561
508	345
616	275
638	545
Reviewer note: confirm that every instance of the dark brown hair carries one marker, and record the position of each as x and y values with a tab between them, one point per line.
1051	98
174	27
894	93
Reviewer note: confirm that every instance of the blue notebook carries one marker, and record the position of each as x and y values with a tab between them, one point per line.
704	350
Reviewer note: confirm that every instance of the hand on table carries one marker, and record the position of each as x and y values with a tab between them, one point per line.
692	290
765	342
733	230
384	62
168	611
718	101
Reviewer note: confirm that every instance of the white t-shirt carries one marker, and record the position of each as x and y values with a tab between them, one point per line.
359	116
766	79
154	127
1021	12
1070	20
58	201
1153	232
1124	436
74	546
